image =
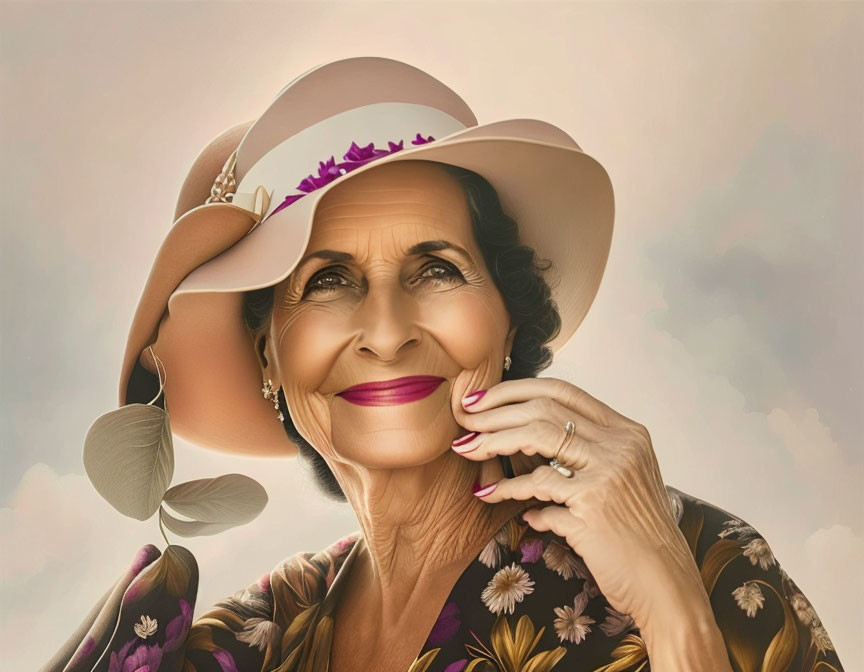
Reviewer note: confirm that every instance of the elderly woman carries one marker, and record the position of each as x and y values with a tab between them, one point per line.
398	319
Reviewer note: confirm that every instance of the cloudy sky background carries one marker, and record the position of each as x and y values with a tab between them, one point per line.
729	322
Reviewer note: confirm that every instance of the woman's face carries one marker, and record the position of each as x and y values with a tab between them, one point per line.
392	285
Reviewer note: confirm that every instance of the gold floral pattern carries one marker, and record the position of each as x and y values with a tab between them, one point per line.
510	651
527	603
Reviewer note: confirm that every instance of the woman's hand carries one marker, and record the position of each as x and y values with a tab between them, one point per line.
614	511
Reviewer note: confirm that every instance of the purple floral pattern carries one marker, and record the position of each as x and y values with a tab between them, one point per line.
446	626
329	170
527	602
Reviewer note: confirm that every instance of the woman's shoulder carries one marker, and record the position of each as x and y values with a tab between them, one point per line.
765	617
142	620
260	622
719	539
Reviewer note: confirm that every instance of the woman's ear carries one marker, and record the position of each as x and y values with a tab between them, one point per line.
262	354
508	343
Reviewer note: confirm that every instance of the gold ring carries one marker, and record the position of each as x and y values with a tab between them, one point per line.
563	469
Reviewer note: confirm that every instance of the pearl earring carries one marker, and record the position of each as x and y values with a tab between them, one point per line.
507	363
272	396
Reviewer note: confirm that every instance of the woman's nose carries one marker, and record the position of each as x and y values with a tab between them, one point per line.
387	320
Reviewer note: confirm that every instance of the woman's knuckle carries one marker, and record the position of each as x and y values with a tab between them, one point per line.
547	406
525	441
542	474
548	432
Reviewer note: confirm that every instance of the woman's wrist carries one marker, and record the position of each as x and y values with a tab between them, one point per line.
680	632
692	644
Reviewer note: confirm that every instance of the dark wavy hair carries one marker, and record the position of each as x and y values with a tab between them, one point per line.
517	273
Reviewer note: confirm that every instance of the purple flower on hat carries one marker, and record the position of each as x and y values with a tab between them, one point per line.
358	153
359	156
329	170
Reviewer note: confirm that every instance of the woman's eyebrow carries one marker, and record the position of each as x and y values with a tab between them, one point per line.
420	248
436	245
330	255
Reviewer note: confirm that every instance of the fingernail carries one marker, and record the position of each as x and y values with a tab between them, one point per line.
482	491
462	440
466	446
473	398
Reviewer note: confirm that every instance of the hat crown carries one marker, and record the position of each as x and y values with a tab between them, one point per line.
333	88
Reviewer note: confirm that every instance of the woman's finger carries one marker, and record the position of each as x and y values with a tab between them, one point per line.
524	389
544	483
558	519
539	437
518	414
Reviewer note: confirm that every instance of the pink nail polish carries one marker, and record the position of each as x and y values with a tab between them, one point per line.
462	440
473	398
485	490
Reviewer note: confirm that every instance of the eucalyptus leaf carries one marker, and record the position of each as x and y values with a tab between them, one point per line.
232	499
192	528
129	458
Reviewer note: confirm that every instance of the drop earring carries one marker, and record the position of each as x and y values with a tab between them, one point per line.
507	363
267	389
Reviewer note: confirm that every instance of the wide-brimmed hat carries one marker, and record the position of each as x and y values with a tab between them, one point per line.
257	187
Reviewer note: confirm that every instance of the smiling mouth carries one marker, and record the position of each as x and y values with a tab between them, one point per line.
391	392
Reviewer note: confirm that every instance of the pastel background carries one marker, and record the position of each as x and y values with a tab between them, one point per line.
729	321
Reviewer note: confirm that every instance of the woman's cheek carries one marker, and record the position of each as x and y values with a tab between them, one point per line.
471	324
310	413
309	342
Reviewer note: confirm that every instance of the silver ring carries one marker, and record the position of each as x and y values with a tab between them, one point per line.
563	469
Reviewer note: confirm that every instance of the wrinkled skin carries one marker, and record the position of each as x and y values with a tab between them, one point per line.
386	312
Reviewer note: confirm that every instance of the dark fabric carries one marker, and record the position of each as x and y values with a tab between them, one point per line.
143	386
527	603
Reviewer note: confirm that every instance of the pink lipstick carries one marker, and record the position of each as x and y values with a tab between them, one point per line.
391	392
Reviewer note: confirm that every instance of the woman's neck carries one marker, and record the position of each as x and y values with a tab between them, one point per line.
420	524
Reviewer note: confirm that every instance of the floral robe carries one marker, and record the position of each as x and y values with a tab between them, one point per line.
527	603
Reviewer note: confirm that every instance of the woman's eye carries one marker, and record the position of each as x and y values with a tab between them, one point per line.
329	280
440	270
326	281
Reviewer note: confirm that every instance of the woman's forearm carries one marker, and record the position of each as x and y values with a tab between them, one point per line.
693	644
680	632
